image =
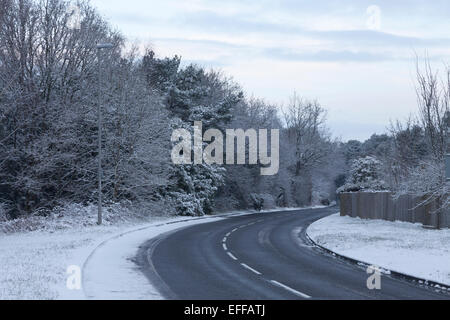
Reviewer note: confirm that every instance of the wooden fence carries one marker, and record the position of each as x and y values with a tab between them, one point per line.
381	205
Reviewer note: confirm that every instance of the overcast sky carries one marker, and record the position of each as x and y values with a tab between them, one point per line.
356	57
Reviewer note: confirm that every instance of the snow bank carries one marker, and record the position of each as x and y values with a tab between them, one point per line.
398	246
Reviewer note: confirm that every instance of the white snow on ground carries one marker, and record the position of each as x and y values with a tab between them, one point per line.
398	246
34	264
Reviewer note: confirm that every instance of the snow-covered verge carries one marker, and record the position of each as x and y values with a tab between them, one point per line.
398	246
73	216
34	263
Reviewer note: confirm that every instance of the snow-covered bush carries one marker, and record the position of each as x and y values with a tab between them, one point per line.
195	188
423	179
364	176
187	204
427	180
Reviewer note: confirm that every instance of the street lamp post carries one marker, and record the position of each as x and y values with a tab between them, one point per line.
100	46
447	148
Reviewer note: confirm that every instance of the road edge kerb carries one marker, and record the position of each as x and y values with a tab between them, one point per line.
430	284
98	245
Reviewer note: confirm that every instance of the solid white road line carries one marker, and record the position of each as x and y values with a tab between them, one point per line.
231	256
298	293
251	269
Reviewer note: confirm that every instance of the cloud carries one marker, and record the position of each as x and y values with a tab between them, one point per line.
216	63
201	42
242	24
326	56
229	50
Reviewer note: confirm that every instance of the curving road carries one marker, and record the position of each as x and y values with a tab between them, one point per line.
261	256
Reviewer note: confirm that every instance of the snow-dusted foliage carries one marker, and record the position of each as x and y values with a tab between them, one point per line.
364	176
49	95
73	216
427	178
195	188
47	119
198	95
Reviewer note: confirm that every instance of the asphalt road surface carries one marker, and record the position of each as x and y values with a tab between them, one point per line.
261	256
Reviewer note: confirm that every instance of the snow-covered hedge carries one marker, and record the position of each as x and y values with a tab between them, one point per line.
72	216
364	176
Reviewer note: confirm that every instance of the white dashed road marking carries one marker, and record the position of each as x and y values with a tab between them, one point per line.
298	293
276	283
251	269
231	256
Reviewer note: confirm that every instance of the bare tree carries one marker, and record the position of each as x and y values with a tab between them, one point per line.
433	100
417	161
305	128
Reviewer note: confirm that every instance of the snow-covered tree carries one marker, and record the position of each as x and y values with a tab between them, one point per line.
195	188
49	93
364	176
207	96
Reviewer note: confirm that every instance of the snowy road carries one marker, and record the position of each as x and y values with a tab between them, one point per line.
260	256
